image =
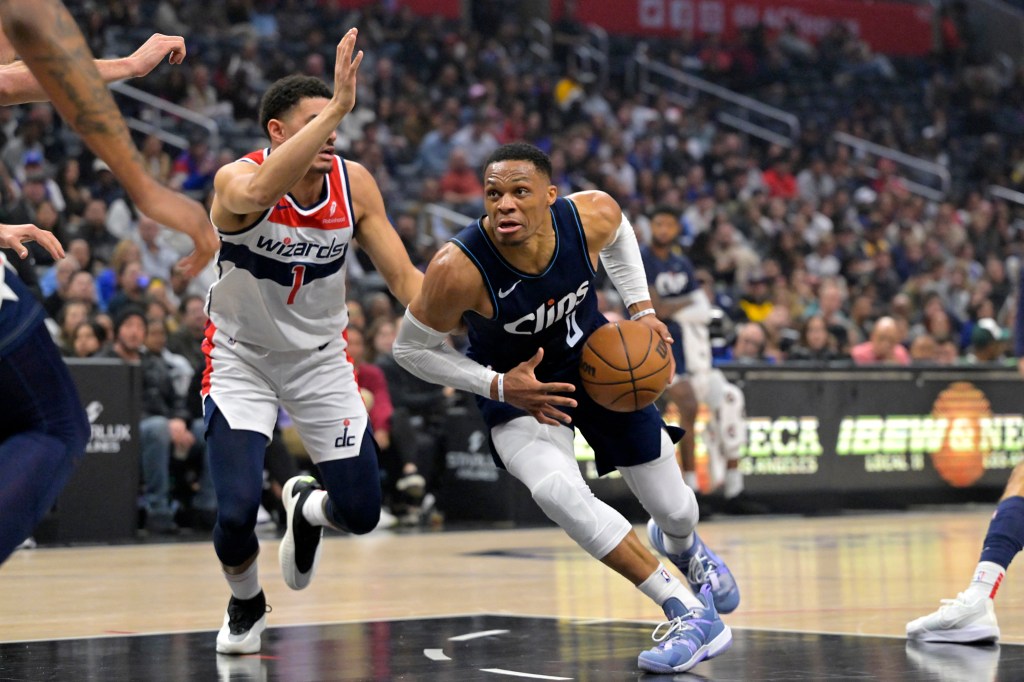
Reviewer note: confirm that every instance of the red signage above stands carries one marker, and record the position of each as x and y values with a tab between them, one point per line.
888	27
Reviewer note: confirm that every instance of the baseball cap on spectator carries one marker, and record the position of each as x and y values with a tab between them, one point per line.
987	331
32	157
100	165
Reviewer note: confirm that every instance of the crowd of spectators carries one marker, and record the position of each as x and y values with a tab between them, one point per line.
811	252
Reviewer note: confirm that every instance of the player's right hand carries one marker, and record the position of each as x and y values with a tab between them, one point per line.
539	399
345	70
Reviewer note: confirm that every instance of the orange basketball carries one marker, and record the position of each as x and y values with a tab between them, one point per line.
625	366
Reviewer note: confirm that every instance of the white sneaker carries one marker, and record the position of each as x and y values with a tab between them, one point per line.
959	621
243	626
299	553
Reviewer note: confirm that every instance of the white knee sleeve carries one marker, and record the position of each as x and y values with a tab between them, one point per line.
542	457
659	487
732	422
594	525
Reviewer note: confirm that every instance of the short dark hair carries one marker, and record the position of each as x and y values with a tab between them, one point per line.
128	312
663	209
521	151
285	93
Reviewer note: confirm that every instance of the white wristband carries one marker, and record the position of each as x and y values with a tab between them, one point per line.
642	313
501	388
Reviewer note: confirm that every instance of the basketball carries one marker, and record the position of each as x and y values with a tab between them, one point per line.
625	366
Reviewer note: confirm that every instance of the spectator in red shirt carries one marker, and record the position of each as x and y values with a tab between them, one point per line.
460	187
374	388
779	180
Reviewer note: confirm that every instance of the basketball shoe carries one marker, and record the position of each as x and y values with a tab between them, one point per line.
688	639
244	622
701	567
300	548
963	620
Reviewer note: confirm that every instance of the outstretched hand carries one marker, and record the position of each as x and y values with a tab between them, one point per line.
152	52
345	70
523	390
14	236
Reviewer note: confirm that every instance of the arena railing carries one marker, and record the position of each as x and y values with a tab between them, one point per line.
450	221
1006	194
162	109
905	161
746	108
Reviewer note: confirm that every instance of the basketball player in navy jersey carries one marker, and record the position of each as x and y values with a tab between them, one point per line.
970	617
43	428
287	216
522	279
680	301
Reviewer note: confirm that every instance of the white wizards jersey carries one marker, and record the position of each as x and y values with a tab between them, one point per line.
281	282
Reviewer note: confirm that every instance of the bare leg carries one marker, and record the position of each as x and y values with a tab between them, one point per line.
631	559
681	393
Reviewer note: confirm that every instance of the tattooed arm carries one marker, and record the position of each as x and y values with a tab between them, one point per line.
52	47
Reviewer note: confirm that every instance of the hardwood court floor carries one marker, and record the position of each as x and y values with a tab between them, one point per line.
859	574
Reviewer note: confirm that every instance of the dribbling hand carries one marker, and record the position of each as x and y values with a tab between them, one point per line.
659	328
539	399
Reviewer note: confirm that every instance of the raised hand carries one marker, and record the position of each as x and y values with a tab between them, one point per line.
345	70
539	399
13	236
152	52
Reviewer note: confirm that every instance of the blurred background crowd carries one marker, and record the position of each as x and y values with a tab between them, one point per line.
811	249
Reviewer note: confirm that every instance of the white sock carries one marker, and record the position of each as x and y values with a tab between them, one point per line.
313	509
986	580
733	483
244	585
662	586
674	545
690	479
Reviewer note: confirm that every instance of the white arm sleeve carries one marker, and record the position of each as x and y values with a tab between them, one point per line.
698	311
423	352
625	268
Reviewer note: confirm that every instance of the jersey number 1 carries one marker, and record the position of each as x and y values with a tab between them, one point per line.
299	271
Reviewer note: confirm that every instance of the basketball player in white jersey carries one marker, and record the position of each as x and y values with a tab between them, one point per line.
681	302
287	216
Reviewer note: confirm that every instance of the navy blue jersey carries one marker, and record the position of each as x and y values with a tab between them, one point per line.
20	312
557	310
671	278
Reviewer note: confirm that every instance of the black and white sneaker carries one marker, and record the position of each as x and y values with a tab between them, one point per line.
244	622
300	547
